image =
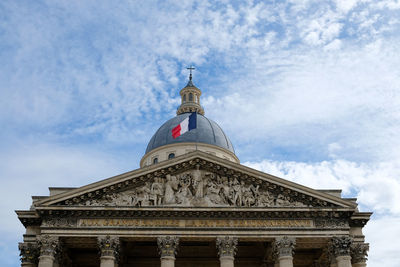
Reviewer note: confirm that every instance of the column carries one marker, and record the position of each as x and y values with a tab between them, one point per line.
29	254
284	249
167	247
227	247
48	248
359	254
339	248
109	248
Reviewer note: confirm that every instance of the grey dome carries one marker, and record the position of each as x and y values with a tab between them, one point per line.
207	131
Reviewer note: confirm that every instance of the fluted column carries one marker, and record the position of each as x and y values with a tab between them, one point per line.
359	254
48	248
227	247
109	249
167	247
29	254
340	249
284	249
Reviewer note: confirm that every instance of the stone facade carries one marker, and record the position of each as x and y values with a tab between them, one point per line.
194	208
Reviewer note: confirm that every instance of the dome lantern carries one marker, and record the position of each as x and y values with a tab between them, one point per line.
190	98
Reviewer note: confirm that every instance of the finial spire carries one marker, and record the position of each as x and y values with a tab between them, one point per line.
190	69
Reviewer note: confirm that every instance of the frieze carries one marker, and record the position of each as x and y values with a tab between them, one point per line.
195	223
198	188
59	222
331	223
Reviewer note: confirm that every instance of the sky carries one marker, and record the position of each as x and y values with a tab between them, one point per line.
306	90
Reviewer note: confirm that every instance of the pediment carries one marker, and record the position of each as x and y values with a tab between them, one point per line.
196	180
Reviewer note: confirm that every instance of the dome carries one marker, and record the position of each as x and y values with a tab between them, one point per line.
207	131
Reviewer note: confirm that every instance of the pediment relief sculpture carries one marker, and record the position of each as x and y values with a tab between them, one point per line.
197	188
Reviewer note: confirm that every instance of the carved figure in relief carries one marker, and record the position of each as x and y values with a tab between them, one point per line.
171	185
196	188
237	191
157	191
198	183
249	195
212	192
282	200
226	191
265	199
184	195
144	195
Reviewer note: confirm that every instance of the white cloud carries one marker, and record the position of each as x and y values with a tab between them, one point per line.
381	234
347	96
346	5
375	185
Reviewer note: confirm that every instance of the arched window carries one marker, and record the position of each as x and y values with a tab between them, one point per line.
191	97
171	155
155	160
184	98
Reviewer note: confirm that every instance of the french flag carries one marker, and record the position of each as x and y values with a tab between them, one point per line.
187	124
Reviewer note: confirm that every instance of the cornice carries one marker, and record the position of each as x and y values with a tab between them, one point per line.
232	213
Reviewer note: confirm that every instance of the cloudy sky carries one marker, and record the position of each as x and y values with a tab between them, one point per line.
306	90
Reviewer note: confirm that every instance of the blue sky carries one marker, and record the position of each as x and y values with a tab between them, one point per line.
306	90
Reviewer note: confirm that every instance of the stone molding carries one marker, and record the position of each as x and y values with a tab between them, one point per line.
340	246
109	246
284	246
359	252
29	252
227	246
167	245
49	245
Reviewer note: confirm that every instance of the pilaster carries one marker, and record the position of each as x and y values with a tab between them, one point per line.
284	249
109	250
227	247
167	247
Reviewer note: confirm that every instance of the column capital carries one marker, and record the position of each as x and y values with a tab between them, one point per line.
359	252
284	246
29	253
109	246
340	246
167	246
227	246
48	245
